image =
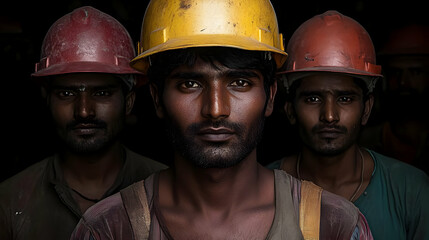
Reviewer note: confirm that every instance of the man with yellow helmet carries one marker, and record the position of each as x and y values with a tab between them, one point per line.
211	65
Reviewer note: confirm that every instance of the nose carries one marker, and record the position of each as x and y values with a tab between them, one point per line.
216	102
84	106
404	79
329	111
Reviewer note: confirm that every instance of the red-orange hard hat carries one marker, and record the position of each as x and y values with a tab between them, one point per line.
331	42
86	40
412	39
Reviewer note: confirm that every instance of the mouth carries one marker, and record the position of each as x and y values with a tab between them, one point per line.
85	128
329	133
215	134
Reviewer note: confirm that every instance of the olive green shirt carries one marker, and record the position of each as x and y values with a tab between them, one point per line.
37	203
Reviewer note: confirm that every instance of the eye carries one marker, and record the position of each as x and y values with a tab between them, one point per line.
345	99
103	93
65	93
189	84
312	99
416	71
240	83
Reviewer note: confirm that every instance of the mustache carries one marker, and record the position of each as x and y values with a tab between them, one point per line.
95	123
223	123
320	127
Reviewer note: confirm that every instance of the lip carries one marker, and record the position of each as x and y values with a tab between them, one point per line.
215	134
329	133
85	129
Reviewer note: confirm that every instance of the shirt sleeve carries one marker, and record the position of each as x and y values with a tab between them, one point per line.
362	228
105	220
83	232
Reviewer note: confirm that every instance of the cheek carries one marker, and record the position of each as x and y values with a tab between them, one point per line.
183	110
61	113
247	109
306	116
110	108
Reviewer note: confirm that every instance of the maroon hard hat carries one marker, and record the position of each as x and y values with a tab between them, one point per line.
86	40
331	42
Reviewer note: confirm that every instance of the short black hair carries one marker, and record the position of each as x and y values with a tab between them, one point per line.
163	63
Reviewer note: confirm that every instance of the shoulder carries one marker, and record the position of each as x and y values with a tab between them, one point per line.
340	217
397	170
274	165
104	220
34	169
24	180
287	163
139	161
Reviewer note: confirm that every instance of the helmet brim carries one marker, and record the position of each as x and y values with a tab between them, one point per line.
141	63
87	67
350	71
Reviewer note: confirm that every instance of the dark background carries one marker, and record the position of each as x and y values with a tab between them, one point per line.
26	133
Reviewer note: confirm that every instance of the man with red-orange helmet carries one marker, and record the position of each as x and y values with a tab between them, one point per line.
89	86
403	131
329	78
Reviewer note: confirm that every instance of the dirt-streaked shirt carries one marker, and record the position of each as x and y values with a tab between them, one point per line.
340	219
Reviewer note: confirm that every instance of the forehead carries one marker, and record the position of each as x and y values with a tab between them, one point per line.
86	79
407	61
200	66
208	68
327	82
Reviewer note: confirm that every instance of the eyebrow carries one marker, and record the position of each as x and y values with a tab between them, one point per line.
321	92
229	73
241	74
77	87
187	75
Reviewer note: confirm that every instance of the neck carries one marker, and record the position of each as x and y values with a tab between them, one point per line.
214	188
410	131
97	166
324	170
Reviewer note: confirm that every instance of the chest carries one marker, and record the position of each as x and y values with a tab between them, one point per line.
248	224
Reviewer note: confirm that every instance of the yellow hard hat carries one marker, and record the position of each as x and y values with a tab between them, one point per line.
177	24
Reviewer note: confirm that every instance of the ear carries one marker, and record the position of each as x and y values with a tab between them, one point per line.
154	92
131	97
367	109
270	103
290	112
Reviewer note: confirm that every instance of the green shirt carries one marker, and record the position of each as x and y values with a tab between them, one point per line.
396	201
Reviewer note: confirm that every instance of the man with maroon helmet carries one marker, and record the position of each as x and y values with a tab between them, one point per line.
89	88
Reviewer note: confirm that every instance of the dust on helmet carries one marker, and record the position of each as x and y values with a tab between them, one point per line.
86	40
331	42
177	24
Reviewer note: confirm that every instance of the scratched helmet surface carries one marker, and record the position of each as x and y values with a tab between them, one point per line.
86	40
331	42
176	24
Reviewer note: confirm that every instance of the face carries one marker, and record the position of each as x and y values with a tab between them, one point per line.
407	79
328	110
215	115
88	110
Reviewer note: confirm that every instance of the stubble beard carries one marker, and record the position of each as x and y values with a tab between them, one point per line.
216	155
331	147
